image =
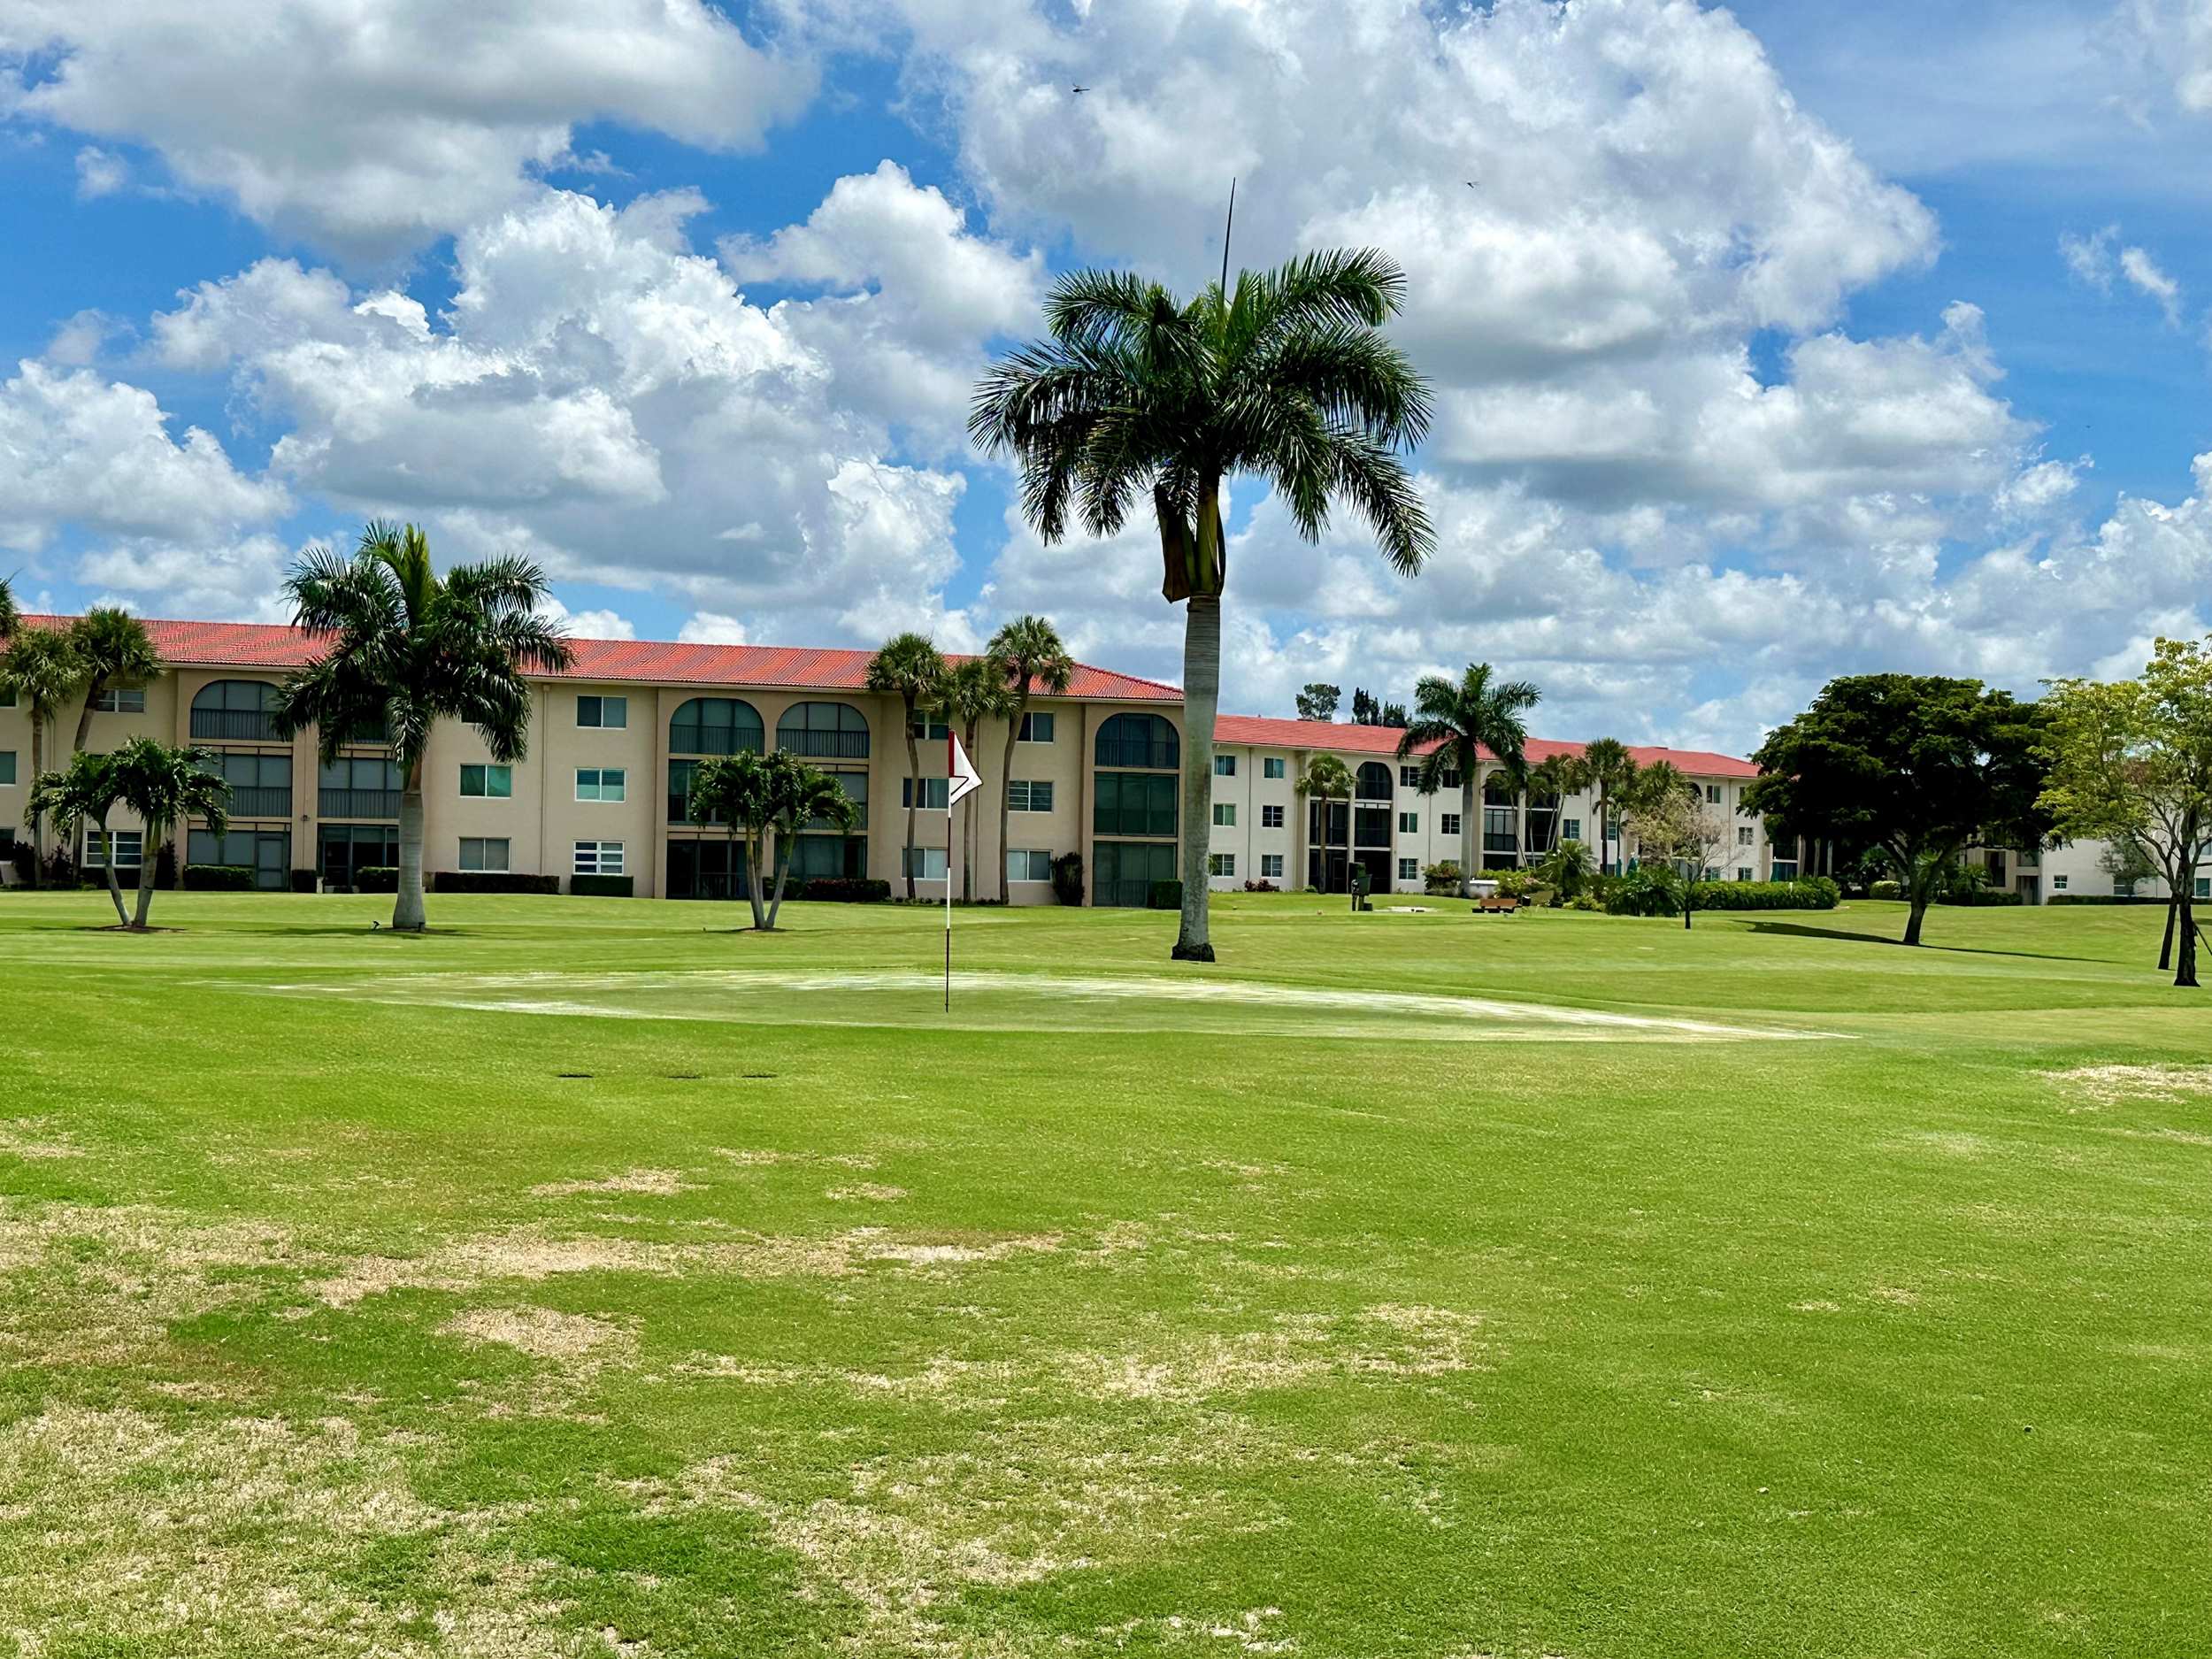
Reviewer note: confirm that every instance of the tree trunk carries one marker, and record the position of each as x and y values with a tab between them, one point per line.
115	887
2185	968
84	716
786	845
752	880
146	867
913	794
1202	696
407	910
1006	792
1467	832
1919	900
967	832
38	823
2166	950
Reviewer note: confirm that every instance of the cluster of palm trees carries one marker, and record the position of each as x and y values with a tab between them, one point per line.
756	795
106	649
1025	657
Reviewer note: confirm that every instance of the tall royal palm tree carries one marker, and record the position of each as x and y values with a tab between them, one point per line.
43	671
410	648
1613	774
85	793
167	787
1287	379
1029	652
1455	723
1556	777
973	691
114	654
909	666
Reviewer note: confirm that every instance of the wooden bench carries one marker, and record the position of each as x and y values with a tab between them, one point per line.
1497	904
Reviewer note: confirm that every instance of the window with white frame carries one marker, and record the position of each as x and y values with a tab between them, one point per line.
1271	818
1028	864
934	793
1571	829
930	729
611	714
1743	835
1408	777
2204	886
1030	794
1036	726
1409	870
1409	823
1271	866
484	852
7	766
1274	766
1712	795
487	782
924	863
2058	884
1448	823
1224	766
1225	815
121	700
601	783
1743	872
130	849
598	858
1221	864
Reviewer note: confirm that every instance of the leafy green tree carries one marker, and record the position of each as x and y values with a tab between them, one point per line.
1287	379
1326	779
2131	761
1318	701
1394	714
908	666
975	690
801	796
1028	651
1920	766
43	669
1673	822
1366	708
113	654
741	790
166	786
10	617
1455	723
1567	869
84	794
411	649
1612	772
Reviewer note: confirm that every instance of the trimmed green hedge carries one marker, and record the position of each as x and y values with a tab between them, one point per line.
217	879
603	887
492	881
2100	898
376	878
1814	893
842	890
1981	898
1165	895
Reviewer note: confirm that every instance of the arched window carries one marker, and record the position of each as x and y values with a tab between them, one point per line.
235	710
1497	789
1144	742
715	725
831	730
1374	781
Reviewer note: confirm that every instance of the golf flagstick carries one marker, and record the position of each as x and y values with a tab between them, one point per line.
960	782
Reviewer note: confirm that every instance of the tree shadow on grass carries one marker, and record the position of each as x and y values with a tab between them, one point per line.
1798	930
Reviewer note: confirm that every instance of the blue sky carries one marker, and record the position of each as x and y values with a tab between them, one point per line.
1770	344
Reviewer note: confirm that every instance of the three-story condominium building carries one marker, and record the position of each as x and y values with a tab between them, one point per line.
615	742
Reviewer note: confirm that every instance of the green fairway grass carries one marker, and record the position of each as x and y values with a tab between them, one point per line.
589	1277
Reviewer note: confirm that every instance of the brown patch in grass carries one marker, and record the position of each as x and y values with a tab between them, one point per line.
2114	1084
36	1139
872	1192
651	1183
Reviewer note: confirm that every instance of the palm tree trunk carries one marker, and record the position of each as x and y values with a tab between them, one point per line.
1006	796
407	910
1202	696
147	857
84	716
786	845
115	887
1467	833
752	880
913	796
38	826
967	833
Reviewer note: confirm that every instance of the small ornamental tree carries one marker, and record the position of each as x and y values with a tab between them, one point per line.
738	789
1674	824
1326	779
801	797
83	793
166	786
1918	767
2131	761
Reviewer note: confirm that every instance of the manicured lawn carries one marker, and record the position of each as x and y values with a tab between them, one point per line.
587	1274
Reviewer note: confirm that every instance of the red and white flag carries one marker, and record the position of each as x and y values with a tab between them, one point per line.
960	774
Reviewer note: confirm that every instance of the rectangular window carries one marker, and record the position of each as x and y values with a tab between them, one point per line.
1408	777
1743	873
129	849
1448	823
1271	866
601	783
930	730
611	714
131	700
1036	728
7	696
1271	818
2204	886
1450	781
598	858
7	765
1712	873
1409	870
1409	823
1712	795
1135	803
1028	864
1224	766
933	792
1221	864
484	852
1274	766
487	782
1743	835
924	863
1030	794
2058	884
1571	829
1225	815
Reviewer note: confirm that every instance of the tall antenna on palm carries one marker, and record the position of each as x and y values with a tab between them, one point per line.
1226	231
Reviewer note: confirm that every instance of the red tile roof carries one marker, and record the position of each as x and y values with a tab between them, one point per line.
1343	739
263	645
